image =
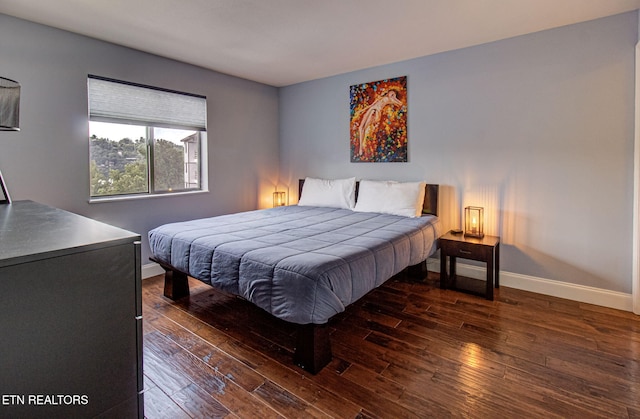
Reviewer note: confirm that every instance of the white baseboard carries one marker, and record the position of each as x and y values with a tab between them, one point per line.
575	292
151	269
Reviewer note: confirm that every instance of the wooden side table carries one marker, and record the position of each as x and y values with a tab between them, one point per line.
486	249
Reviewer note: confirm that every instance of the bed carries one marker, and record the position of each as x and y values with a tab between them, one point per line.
302	263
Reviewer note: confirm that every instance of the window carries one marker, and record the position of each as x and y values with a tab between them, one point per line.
144	140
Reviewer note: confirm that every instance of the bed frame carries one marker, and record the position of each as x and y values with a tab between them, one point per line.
313	346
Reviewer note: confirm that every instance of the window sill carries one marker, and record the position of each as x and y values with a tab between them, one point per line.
98	200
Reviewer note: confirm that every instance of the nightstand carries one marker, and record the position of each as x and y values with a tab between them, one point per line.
486	249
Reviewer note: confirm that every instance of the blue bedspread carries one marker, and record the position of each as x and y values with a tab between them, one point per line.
301	264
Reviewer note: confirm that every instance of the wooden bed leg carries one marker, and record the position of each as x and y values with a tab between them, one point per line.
419	271
313	347
176	284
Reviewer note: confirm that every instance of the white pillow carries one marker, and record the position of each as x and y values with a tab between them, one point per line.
388	197
336	193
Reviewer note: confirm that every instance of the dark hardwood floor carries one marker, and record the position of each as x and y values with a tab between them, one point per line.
407	349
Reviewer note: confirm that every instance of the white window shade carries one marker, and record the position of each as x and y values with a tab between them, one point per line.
114	101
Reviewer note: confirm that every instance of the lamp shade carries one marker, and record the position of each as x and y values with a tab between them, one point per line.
9	105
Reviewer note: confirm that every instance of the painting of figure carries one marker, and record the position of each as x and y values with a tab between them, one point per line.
379	121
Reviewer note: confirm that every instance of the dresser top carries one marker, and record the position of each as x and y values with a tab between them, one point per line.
31	231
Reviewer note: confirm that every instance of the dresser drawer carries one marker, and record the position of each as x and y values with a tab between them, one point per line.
464	250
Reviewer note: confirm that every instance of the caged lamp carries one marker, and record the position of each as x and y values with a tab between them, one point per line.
279	199
9	120
9	105
474	222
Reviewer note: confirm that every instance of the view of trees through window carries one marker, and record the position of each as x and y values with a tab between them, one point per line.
129	159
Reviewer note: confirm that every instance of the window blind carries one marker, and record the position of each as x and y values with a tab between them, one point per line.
121	102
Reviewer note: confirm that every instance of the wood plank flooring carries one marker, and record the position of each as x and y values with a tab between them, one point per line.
407	349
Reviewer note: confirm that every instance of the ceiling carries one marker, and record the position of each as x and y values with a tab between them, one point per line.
283	42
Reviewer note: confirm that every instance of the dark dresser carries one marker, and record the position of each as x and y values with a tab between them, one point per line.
70	316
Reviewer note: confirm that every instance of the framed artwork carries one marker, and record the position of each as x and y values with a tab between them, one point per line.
378	125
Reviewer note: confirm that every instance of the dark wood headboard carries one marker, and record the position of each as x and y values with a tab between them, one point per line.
429	207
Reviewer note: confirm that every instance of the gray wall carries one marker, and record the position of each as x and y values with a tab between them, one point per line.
538	129
47	161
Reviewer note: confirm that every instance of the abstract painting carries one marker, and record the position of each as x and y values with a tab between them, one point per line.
378	127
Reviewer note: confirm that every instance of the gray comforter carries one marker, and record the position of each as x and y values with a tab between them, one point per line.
301	264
